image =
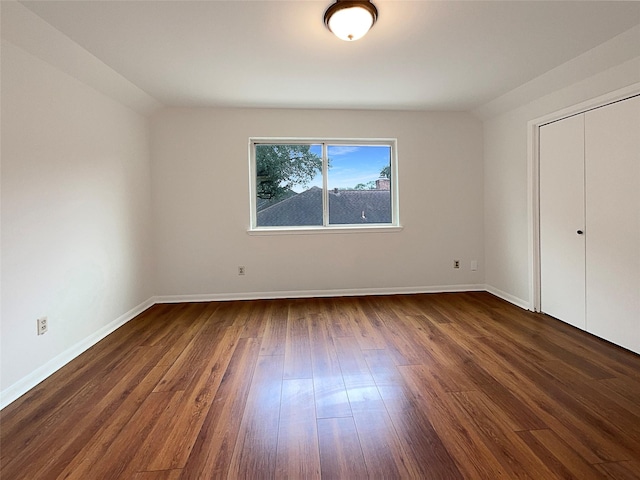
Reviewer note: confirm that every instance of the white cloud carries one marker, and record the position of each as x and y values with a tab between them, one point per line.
338	150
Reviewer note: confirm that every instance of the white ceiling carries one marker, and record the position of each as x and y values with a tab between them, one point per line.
421	55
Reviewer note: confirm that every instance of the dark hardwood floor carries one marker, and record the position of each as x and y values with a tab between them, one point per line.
440	386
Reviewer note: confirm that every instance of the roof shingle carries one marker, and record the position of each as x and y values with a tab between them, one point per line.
346	207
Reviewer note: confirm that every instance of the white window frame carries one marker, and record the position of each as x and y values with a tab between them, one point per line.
394	226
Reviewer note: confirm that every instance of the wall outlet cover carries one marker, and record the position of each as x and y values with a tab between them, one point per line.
43	325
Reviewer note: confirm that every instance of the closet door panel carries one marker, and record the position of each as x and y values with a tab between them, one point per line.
562	249
612	178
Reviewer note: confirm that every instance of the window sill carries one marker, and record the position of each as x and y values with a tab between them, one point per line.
323	230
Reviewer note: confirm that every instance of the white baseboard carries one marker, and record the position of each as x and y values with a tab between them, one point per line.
508	297
21	387
15	391
351	292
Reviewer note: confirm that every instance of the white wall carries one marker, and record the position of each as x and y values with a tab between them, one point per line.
75	217
507	246
201	206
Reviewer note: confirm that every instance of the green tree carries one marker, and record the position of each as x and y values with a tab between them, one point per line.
280	168
365	186
386	172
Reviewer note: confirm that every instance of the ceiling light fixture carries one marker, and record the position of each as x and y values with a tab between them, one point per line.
350	20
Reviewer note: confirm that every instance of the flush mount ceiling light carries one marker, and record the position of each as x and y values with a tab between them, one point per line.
350	19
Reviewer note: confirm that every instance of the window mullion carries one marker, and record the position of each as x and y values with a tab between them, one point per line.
325	186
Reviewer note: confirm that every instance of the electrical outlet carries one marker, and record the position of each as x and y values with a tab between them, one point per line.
241	270
43	325
456	264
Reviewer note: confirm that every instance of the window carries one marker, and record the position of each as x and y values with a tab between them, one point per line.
323	185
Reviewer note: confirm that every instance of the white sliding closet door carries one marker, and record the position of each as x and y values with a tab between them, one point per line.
612	169
562	216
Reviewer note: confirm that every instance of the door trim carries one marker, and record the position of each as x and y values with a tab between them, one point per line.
533	177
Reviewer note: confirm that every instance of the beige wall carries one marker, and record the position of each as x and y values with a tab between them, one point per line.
76	213
201	206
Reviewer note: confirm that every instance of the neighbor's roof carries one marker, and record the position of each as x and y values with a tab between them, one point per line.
346	207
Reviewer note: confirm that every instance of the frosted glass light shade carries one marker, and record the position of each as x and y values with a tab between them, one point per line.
350	20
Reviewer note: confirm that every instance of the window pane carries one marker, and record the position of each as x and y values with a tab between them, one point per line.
288	185
359	181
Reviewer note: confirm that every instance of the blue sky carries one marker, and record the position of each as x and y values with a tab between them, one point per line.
352	164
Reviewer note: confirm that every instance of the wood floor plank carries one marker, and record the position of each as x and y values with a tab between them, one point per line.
254	454
415	411
275	329
340	452
355	371
615	360
595	430
560	420
179	331
173	453
376	309
533	332
382	367
109	455
470	374
158	437
624	391
504	443
298	454
465	445
30	412
384	453
533	389
588	392
162	322
364	325
620	470
435	308
451	385
557	346
339	322
401	343
559	457
444	348
102	409
190	360
329	390
297	358
213	449
158	475
251	317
